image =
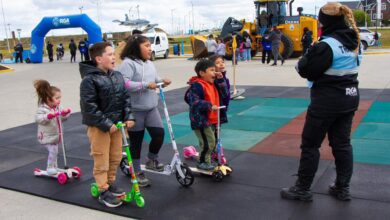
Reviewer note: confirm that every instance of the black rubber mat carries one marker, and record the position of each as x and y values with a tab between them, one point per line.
42	186
12	158
250	192
368	182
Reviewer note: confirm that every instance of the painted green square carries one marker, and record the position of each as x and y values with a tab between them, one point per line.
262	124
181	119
380	106
287	102
372	131
377	116
371	151
237	106
272	111
178	131
231	139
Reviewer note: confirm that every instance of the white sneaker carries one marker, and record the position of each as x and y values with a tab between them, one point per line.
51	171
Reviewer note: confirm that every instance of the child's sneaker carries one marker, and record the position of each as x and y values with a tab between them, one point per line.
51	171
205	166
154	165
109	200
142	180
115	190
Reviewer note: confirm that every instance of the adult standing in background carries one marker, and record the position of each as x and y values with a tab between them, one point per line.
276	39
73	49
87	44
83	49
18	52
211	45
307	40
49	48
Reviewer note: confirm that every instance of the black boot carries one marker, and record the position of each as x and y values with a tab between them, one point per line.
340	192
297	192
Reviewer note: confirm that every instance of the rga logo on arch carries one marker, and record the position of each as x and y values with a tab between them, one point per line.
60	21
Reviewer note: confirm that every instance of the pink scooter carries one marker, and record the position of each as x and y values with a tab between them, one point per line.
62	175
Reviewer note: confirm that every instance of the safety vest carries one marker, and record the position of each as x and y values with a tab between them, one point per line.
345	62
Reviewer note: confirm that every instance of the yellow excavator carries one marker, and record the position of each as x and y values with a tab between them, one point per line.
269	13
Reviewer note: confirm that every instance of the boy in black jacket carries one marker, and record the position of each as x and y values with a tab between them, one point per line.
104	102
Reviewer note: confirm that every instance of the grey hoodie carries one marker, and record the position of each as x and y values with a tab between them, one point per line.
138	74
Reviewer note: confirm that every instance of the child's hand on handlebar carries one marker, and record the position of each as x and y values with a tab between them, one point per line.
214	108
130	124
113	129
66	111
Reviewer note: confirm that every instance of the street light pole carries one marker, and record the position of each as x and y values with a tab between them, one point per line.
172	29
19	30
5	27
193	20
365	14
81	12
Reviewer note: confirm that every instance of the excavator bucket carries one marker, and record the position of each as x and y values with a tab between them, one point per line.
199	48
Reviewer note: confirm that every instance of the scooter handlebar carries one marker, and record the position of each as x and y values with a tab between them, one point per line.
160	84
120	125
222	107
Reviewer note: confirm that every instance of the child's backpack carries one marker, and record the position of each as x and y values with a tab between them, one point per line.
241	48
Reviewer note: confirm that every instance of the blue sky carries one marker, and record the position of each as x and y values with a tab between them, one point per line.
26	14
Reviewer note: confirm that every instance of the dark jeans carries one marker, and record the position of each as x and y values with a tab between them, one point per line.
266	53
73	56
338	128
19	56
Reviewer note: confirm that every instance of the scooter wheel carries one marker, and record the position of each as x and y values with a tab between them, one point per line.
140	201
124	166
62	178
218	176
78	174
188	179
94	190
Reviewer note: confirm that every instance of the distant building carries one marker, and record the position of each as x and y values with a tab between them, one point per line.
370	7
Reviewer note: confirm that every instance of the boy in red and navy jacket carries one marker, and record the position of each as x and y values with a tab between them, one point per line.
207	92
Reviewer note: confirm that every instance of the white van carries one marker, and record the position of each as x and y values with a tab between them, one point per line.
159	40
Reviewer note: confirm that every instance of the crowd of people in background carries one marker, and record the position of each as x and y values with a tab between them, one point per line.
271	39
83	47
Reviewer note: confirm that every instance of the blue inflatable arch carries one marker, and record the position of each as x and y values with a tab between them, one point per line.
59	22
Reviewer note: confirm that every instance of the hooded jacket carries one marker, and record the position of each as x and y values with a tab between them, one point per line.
49	130
137	75
104	101
195	97
329	93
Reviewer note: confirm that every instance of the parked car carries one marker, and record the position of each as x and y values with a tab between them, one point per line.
367	37
160	44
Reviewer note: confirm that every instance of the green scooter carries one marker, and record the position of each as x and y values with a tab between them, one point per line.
135	193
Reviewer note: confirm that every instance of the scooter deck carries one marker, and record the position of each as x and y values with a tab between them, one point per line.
39	172
165	172
196	170
238	95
